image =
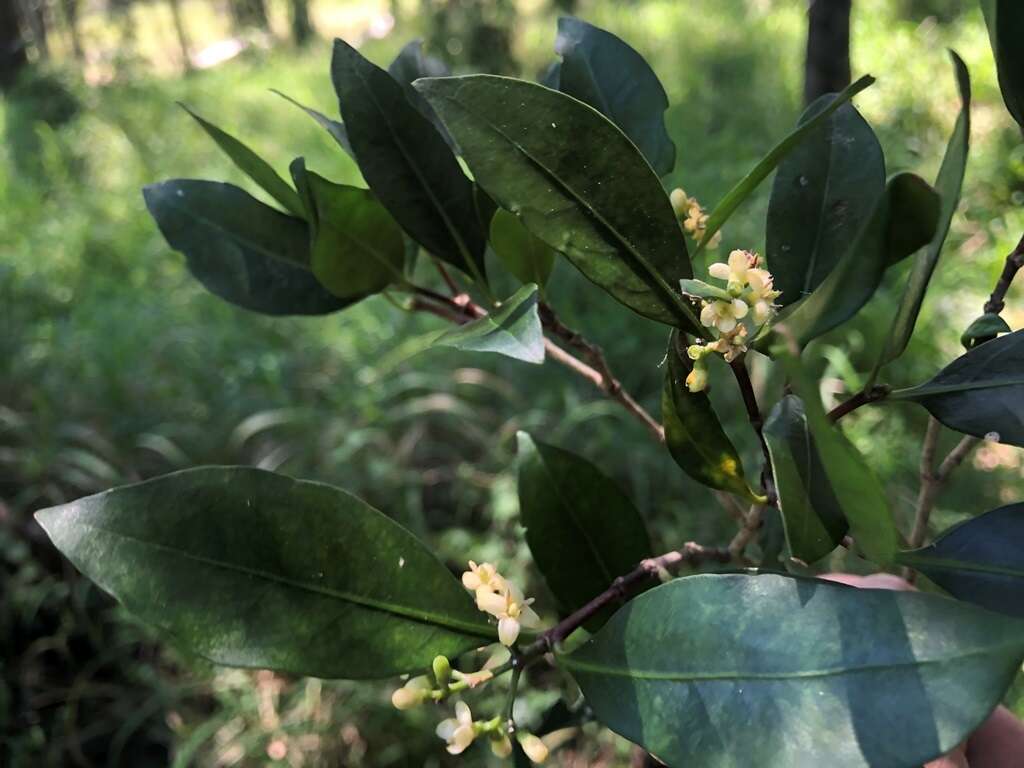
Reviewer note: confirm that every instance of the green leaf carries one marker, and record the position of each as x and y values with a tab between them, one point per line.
979	393
693	433
252	569
948	184
855	487
903	220
524	254
252	165
735	197
240	249
333	127
357	247
812	516
702	290
407	163
410	65
605	72
824	191
980	561
982	329
721	671
583	532
513	330
576	182
1005	21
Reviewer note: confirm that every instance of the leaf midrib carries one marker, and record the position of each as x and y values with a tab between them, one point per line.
810	674
426	617
951	564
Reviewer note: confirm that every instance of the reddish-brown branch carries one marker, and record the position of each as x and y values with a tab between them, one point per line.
460	309
690	554
1014	263
876	393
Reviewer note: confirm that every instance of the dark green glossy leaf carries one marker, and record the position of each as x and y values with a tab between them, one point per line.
524	254
410	65
605	72
407	163
513	330
335	128
252	165
979	393
860	495
357	246
576	182
1005	20
903	220
811	514
552	75
253	569
693	433
980	561
240	249
824	191
743	189
583	531
982	329
721	671
948	184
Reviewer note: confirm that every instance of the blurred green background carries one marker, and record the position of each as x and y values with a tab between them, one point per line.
115	365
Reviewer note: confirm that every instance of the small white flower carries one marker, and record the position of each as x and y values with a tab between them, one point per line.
458	731
511	610
413	693
483	577
501	745
534	748
735	271
723	315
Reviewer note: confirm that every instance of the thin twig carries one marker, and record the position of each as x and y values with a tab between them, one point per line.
690	554
748	531
460	309
446	276
739	369
932	480
1014	263
872	395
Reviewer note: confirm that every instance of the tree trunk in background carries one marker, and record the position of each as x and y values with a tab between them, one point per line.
179	32
70	10
250	14
12	46
35	14
828	48
302	27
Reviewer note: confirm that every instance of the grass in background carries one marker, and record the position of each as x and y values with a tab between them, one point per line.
118	366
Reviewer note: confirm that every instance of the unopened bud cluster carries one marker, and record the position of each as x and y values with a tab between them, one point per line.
748	300
692	217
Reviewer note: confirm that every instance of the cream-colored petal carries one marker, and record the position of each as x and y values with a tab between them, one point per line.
471	581
446	728
502	746
463	713
708	315
491	603
738	308
726	324
508	630
739	262
719	271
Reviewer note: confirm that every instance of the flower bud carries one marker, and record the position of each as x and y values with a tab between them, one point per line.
501	745
442	670
412	694
697	380
534	748
680	202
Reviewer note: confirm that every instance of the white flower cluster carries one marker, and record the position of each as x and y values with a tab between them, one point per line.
502	599
460	731
692	217
749	295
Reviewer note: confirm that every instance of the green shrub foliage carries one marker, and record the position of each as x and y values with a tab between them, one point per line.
478	181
